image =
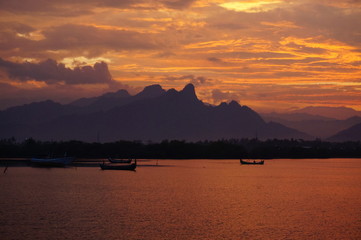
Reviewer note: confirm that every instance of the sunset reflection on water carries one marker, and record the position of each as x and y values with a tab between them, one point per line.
185	199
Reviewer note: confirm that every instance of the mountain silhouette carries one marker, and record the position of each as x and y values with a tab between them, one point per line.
351	134
339	113
153	114
110	100
317	126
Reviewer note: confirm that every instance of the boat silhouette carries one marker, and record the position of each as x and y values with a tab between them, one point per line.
116	166
112	160
250	162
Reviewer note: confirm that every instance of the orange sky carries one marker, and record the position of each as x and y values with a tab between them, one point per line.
269	55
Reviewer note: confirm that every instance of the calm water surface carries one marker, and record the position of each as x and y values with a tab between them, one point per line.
185	199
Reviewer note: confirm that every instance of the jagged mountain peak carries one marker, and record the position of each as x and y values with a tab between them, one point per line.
234	103
189	88
154	87
151	91
189	91
222	104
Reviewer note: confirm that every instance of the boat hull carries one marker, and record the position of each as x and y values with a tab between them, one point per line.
251	162
52	162
119	160
130	167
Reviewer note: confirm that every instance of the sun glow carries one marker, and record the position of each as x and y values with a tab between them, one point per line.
82	61
252	7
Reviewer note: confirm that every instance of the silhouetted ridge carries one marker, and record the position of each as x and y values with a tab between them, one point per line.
234	104
34	112
222	105
151	91
350	134
189	91
122	93
100	102
152	114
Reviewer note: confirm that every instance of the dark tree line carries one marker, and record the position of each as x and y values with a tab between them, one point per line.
175	149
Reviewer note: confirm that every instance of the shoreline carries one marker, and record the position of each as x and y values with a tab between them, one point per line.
94	162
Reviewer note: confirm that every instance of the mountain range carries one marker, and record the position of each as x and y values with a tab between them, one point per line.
315	125
339	113
151	115
155	114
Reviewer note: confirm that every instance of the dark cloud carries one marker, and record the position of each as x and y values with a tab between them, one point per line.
305	49
78	39
80	36
9	35
267	55
200	80
63	8
220	96
301	93
80	7
328	21
16	27
287	61
309	19
51	72
216	60
177	4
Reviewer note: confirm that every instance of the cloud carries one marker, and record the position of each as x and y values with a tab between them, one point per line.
71	39
221	96
80	37
216	60
197	81
69	8
329	21
51	72
305	49
177	4
14	35
59	8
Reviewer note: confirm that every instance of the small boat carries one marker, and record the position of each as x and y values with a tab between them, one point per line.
250	162
111	166
119	160
52	162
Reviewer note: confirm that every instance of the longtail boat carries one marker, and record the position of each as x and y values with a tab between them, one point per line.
112	160
111	166
250	162
52	162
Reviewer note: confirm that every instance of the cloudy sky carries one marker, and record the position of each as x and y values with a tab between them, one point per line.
269	55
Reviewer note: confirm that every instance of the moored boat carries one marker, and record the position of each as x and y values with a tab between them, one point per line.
55	162
111	166
250	162
119	160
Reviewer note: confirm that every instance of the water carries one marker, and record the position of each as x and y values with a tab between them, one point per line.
185	199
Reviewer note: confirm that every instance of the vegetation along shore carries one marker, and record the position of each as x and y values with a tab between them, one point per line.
175	149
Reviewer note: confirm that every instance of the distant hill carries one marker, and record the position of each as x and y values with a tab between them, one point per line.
35	113
351	134
314	125
339	113
153	114
110	100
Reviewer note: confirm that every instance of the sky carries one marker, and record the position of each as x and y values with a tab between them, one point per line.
271	55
